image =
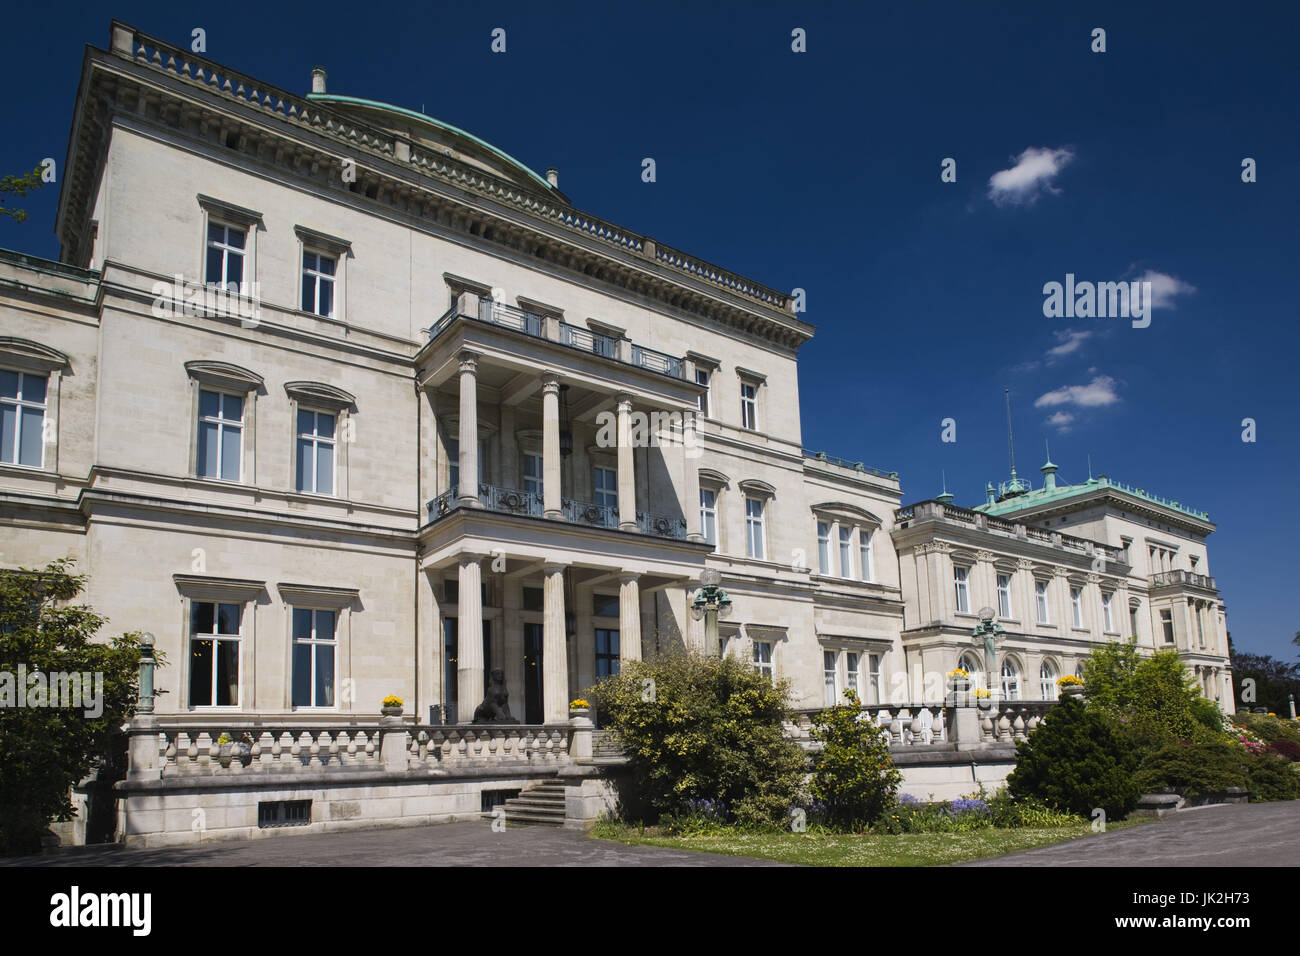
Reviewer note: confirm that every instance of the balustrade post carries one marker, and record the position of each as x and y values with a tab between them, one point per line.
392	743
580	738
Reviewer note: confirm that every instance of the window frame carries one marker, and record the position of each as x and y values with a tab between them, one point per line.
866	560
27	357
961	588
321	398
19	403
1042	602
1009	684
318	278
845	546
758	521
219	212
709	516
316	441
763	660
749	405
1076	605
1004	593
231	380
222	425
314	643
215	638
314	242
823	548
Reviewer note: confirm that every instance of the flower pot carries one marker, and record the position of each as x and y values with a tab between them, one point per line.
225	754
579	712
391	711
1072	690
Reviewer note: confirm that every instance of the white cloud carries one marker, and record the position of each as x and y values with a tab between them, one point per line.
1061	421
1069	342
1032	175
1165	288
1097	393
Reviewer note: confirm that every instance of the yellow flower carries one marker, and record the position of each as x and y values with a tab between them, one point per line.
392	700
958	673
578	703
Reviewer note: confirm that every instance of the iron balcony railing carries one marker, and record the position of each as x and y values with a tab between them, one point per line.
492	498
845	463
665	526
584	512
469	305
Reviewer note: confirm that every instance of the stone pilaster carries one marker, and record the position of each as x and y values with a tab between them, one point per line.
469	637
551	447
629	617
467	491
555	654
626	473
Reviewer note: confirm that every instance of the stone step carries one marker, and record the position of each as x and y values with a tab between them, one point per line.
536	819
541	804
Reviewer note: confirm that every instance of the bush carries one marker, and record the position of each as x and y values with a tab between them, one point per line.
1286	748
1152	701
854	777
976	811
1010	812
1268	728
1075	762
1195	770
705	728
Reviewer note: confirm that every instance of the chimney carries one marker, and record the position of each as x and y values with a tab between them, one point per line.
318	79
553	177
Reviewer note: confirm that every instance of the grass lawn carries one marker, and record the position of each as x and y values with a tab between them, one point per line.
838	849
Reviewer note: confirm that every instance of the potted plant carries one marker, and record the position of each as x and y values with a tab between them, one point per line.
983	698
1070	686
391	706
225	750
579	708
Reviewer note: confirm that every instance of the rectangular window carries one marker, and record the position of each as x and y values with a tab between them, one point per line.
709	515
1004	595
606	652
872	695
1107	618
318	283
846	552
830	676
225	263
534	600
961	578
315	452
1167	624
851	673
702	378
1076	606
763	658
824	547
1133	621
604	484
1040	598
749	406
22	418
754	531
214	654
864	554
533	474
313	657
604	605
221	435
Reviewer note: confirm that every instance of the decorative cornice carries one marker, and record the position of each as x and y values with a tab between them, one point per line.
150	80
224	375
321	394
31	354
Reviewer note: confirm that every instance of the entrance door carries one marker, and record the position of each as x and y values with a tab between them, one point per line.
534	706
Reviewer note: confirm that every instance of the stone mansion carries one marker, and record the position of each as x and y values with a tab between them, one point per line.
338	401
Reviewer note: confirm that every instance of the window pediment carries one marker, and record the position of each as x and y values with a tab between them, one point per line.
229	212
323	241
225	375
209	587
33	355
756	488
852	514
318	393
315	596
713	479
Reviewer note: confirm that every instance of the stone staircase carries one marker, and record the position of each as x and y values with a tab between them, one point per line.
541	804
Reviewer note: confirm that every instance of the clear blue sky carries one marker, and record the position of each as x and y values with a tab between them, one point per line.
821	170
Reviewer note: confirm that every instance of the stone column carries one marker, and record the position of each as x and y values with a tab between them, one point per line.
555	653
467	491
551	504
626	474
469	637
691	454
629	617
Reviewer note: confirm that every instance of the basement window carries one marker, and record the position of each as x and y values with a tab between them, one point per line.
283	813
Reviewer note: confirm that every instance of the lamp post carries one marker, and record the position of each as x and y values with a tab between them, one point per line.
710	603
986	632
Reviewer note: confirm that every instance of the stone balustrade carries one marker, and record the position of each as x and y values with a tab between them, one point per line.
1000	723
488	745
906	725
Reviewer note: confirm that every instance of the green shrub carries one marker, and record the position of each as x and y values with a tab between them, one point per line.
1194	770
1075	762
1010	812
699	728
854	779
1152	701
1272	778
1270	728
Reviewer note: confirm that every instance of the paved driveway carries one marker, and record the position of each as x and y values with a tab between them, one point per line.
448	844
1249	834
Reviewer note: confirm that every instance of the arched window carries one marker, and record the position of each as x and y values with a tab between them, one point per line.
1010	680
973	666
1047	675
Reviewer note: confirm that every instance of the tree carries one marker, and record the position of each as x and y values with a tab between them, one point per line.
1273	680
49	743
854	777
1075	761
18	186
698	728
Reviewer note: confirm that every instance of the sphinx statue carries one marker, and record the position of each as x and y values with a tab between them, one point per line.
495	708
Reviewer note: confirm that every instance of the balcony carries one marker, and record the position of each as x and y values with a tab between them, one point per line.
470	306
1169	579
510	501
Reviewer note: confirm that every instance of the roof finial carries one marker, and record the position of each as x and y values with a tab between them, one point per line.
318	79
1011	438
945	498
1090	466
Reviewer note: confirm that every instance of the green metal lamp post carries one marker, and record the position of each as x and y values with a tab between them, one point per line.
711	603
986	632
